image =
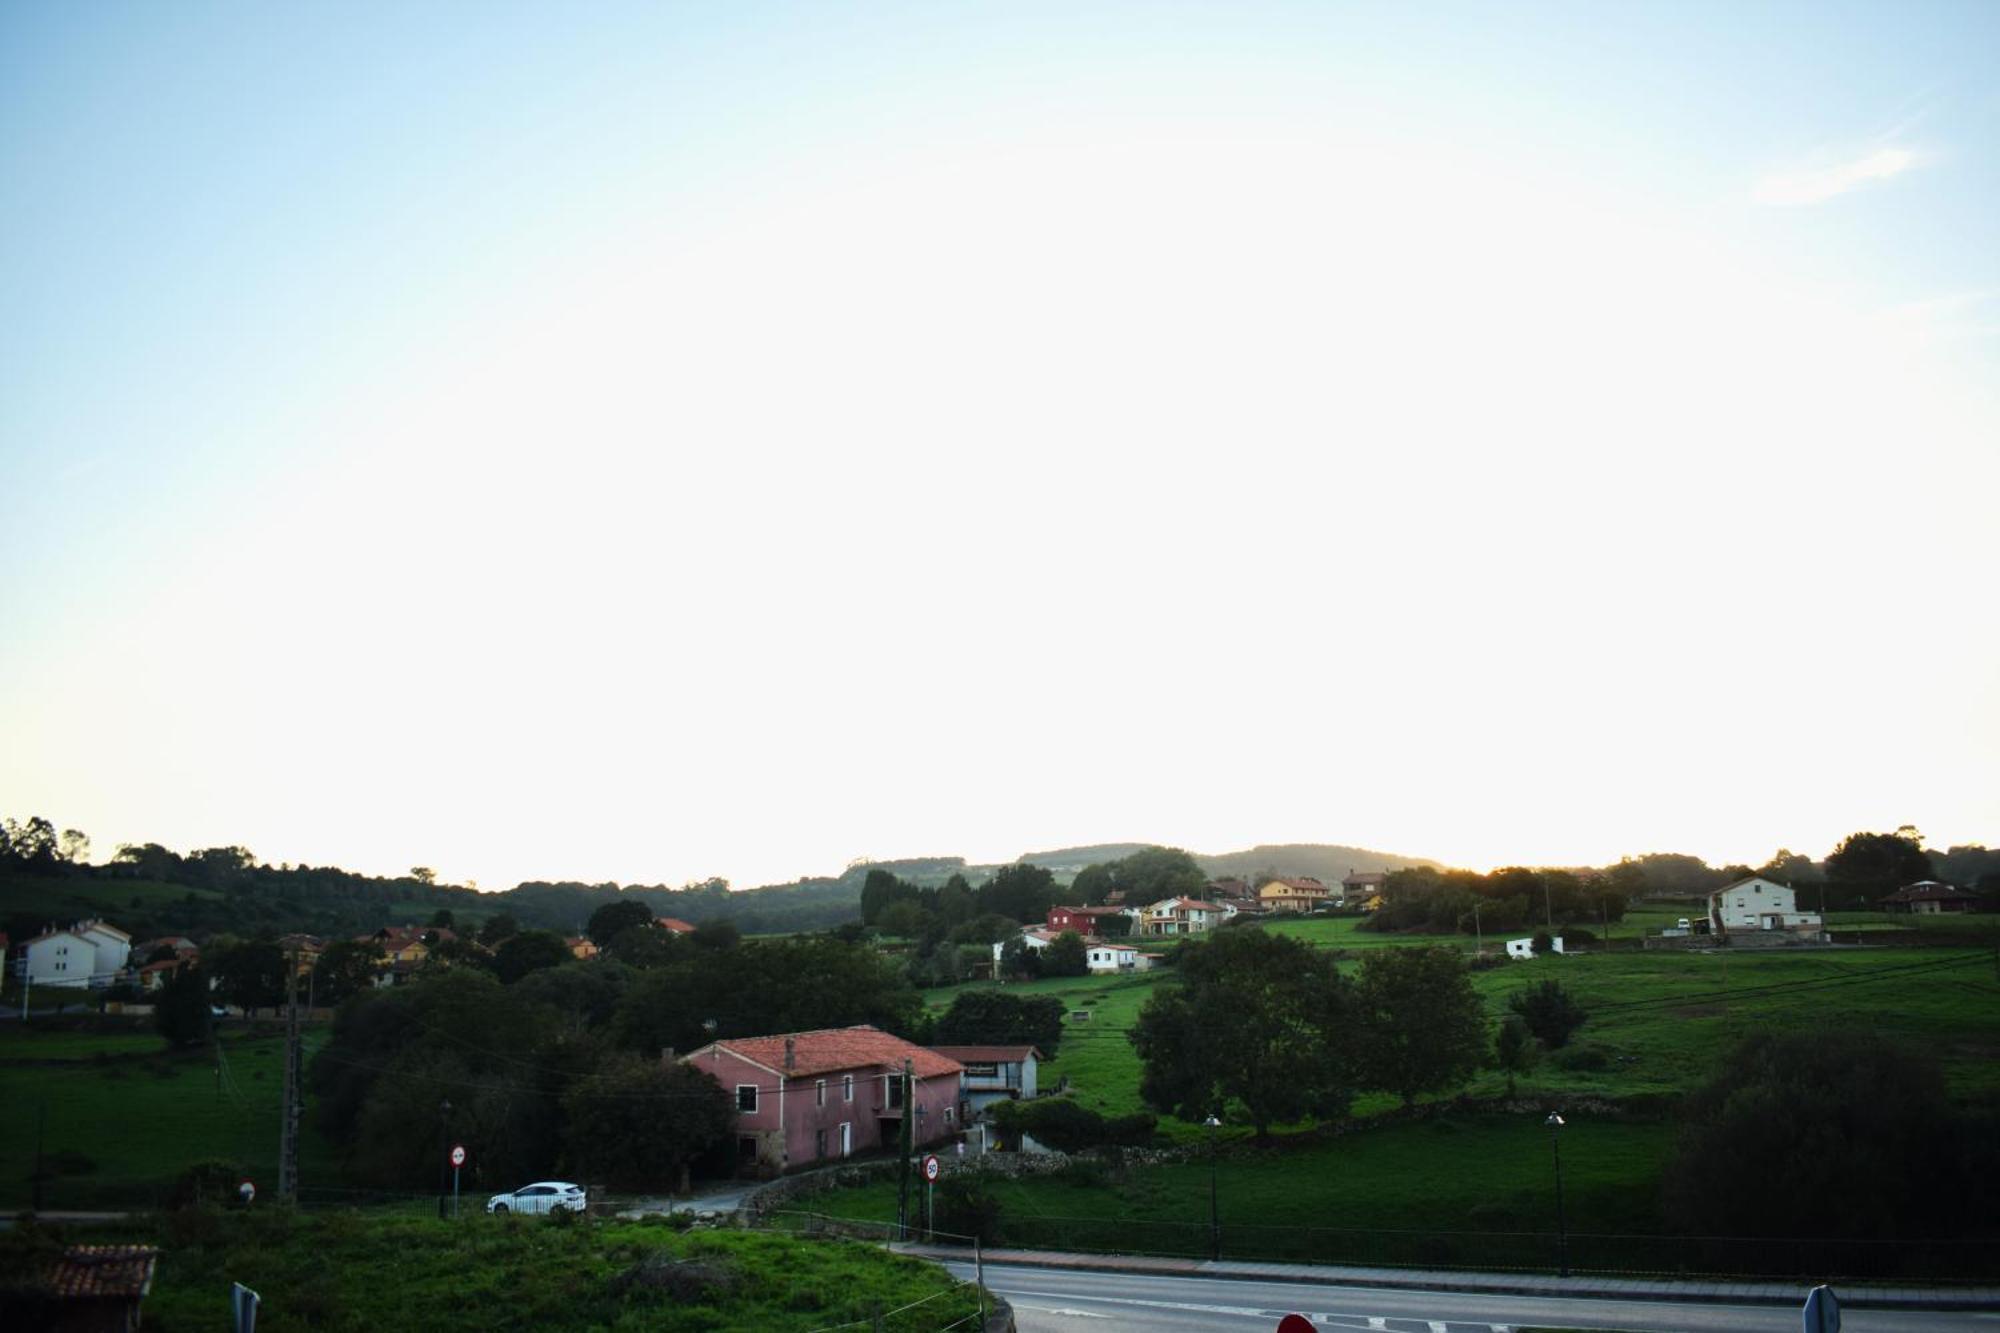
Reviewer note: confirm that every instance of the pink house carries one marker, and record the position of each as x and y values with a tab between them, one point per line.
804	1098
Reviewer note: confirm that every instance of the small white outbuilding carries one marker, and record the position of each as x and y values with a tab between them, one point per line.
1525	946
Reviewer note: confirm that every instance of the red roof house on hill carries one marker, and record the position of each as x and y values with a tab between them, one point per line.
809	1097
673	925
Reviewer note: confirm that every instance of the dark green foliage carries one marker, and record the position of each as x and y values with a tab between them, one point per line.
1422	1026
250	975
997	1018
1549	1012
1022	891
1066	956
1581	1059
1514	1049
636	1123
497	928
610	921
1543	944
208	1183
527	952
1257	1019
345	968
1069	1126
1865	866
1837	1133
180	1007
966	1208
763	986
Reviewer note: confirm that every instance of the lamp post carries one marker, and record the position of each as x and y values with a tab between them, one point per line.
1555	1124
1214	1216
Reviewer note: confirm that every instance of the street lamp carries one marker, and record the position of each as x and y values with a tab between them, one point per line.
1214	1217
1555	1124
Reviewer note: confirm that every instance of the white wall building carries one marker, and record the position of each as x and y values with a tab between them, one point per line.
1525	946
1756	903
87	953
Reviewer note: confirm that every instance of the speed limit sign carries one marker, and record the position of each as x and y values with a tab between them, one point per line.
458	1154
931	1168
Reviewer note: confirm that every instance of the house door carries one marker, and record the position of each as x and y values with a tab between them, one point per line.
846	1138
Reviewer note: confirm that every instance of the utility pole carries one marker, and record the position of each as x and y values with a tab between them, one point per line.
903	1173
288	1131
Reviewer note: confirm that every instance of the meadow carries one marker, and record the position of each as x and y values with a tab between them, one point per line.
343	1270
116	1116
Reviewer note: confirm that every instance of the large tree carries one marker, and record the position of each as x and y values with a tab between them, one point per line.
1022	891
637	1123
528	951
1256	1019
999	1018
1422	1026
181	1006
346	968
610	921
250	974
1828	1132
1865	866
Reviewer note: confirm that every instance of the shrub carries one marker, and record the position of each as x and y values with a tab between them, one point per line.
966	1208
211	1181
1549	1012
1068	1126
1581	1059
1542	943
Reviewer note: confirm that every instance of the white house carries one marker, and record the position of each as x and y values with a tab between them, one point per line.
88	953
992	1074
1111	956
1756	903
1525	946
1035	937
1183	916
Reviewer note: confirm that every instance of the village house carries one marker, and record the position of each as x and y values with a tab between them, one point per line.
1298	893
1183	916
673	925
809	1097
992	1074
1082	920
582	947
86	954
1755	904
1116	956
1359	884
1930	897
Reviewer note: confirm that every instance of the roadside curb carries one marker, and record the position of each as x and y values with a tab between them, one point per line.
1494	1284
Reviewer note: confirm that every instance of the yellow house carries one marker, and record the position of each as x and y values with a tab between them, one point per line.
1299	894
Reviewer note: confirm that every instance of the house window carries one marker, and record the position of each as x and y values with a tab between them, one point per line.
819	1095
947	1115
847	1087
819	1143
746	1098
973	1069
895	1085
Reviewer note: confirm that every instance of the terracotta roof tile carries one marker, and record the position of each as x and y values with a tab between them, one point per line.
985	1054
830	1049
95	1271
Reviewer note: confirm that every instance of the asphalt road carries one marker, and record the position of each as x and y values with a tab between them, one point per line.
1057	1301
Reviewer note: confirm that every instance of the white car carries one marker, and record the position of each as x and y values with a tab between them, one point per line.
544	1196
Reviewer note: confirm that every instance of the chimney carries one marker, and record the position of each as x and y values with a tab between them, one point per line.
790	1062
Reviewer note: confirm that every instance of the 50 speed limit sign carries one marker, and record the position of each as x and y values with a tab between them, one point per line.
932	1168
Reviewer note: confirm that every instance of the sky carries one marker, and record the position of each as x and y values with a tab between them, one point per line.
650	442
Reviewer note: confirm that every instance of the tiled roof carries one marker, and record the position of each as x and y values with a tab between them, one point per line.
988	1054
675	924
1305	883
1930	890
98	1271
830	1049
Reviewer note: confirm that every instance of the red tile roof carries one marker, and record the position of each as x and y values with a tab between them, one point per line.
97	1271
673	923
1302	882
830	1049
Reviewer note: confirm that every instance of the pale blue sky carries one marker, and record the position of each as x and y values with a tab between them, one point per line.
651	441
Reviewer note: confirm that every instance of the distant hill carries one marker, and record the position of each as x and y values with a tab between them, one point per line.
1066	861
1321	860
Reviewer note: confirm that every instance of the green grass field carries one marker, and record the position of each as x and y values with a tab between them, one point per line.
346	1271
117	1116
1395	1194
63	899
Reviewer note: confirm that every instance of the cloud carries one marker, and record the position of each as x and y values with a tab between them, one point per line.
1816	185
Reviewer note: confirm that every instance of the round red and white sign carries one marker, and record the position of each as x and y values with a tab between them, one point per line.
932	1168
458	1154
